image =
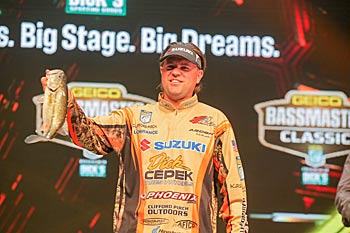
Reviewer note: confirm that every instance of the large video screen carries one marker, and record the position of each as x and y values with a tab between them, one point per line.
279	70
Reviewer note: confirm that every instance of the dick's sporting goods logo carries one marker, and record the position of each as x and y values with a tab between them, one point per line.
310	124
96	7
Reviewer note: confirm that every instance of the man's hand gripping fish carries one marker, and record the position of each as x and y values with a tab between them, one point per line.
55	103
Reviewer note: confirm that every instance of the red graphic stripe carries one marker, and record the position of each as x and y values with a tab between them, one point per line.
319	188
71	130
3	140
15	106
334	174
306	19
75	165
15	184
9	147
64	173
19	198
299	26
28	216
14	222
75	197
94	220
2	198
315	194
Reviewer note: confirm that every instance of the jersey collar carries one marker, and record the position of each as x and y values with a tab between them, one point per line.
184	104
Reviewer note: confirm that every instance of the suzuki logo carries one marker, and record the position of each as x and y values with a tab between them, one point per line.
144	144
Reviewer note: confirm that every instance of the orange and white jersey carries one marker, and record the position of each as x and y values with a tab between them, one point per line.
175	165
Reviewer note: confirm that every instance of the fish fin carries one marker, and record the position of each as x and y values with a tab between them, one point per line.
64	129
43	130
41	99
34	138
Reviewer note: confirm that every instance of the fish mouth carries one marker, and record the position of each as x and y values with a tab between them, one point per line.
52	89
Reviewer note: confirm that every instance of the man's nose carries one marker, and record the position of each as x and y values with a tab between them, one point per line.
176	71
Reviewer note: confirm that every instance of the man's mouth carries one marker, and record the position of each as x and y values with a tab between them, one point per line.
175	81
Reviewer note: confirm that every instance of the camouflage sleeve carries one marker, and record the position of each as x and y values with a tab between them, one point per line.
100	135
230	180
342	198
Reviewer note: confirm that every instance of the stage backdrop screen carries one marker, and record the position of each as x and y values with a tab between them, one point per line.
278	69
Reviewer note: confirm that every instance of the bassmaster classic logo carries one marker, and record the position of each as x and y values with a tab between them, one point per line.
310	124
96	99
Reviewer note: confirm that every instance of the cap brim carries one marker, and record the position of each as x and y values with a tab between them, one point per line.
181	54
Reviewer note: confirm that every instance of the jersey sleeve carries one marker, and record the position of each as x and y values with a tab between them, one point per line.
100	135
342	198
230	180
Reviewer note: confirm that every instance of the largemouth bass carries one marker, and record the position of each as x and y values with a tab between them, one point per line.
55	103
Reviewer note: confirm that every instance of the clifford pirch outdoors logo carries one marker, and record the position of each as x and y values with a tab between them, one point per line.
96	7
314	125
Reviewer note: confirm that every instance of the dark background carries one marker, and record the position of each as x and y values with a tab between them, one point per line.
233	84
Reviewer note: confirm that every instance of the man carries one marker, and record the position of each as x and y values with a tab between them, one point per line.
342	198
175	155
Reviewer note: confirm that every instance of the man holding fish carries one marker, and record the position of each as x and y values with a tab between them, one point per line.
177	177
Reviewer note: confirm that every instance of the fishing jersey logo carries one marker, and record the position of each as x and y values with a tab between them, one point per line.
163	161
145	116
188	197
158	230
186	224
144	128
162	170
203	120
95	99
182	224
145	144
310	124
166	209
154	221
234	146
173	144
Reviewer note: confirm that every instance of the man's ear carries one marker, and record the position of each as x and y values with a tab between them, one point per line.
200	76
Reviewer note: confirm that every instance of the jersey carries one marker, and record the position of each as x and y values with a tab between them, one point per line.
178	168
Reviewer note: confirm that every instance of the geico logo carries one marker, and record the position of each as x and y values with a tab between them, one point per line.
168	174
321	100
96	92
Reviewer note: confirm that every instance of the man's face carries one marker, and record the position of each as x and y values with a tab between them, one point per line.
179	78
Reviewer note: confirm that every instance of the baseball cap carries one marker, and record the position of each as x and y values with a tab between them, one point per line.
183	50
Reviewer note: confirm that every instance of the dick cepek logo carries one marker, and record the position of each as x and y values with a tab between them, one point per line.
314	125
